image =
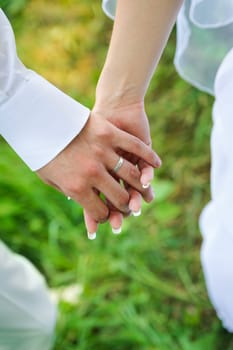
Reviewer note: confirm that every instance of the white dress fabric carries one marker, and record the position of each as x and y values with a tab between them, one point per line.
27	313
204	57
216	220
204	36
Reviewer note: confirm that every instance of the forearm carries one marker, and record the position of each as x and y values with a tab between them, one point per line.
140	32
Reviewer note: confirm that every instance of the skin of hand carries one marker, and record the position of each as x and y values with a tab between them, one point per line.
122	116
140	32
82	170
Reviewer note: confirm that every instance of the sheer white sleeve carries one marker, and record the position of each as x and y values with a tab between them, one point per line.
36	119
204	37
109	7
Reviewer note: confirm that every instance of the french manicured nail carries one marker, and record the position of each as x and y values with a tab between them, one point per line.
116	231
91	236
146	185
137	213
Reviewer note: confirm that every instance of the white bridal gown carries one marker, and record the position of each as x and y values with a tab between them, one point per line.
204	57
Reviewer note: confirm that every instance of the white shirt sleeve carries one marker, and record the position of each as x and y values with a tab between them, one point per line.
36	119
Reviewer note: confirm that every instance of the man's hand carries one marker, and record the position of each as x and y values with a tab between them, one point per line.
82	170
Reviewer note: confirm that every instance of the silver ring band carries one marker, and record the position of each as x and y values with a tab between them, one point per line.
118	165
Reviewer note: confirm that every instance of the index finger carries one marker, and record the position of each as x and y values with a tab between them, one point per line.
131	144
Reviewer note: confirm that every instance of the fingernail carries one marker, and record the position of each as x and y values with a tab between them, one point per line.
116	231
91	236
137	213
146	185
69	198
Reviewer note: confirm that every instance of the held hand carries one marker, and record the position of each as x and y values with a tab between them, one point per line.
82	170
131	118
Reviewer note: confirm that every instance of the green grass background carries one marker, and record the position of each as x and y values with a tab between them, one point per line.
144	289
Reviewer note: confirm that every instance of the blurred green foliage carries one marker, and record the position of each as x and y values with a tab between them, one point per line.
12	7
144	289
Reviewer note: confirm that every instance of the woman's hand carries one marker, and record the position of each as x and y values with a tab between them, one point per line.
140	33
132	119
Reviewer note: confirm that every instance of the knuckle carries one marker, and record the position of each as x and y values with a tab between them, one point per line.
103	216
99	151
134	173
93	170
76	189
136	144
80	189
105	132
149	143
122	199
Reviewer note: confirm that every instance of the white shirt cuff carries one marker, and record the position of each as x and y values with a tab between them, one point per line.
39	121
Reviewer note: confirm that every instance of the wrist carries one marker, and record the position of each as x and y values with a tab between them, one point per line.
114	109
118	90
121	115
